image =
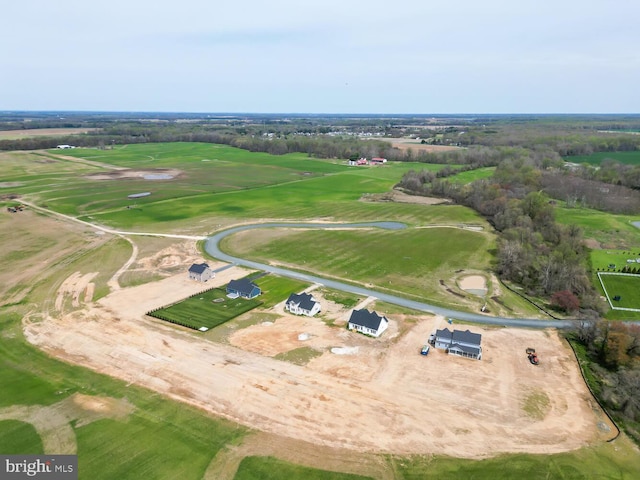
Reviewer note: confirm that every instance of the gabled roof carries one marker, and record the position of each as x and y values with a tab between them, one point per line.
464	348
243	286
459	336
367	319
304	300
198	268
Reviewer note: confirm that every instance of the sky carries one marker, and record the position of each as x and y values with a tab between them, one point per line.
329	56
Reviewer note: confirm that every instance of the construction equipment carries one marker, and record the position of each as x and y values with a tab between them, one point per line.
533	357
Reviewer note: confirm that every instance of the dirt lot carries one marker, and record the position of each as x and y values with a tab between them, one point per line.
416	146
40	132
384	397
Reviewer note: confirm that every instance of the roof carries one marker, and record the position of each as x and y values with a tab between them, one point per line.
243	286
367	319
304	300
198	268
459	336
466	349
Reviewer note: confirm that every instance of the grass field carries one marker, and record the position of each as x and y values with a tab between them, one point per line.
625	286
269	468
472	175
610	231
212	308
214	186
631	158
372	256
206	310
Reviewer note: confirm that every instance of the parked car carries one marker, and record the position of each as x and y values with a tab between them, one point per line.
425	350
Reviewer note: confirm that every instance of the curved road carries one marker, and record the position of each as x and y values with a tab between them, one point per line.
212	248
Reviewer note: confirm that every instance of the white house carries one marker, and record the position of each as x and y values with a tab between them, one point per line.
464	344
369	323
200	272
302	304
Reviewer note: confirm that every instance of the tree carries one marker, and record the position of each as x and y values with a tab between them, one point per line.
566	301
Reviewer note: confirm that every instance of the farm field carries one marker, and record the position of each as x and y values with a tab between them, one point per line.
429	256
42	132
142	412
630	158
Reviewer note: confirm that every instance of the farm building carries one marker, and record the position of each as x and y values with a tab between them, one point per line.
463	344
64	147
369	323
242	288
360	161
378	161
200	272
302	304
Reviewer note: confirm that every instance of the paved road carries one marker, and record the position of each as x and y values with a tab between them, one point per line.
211	246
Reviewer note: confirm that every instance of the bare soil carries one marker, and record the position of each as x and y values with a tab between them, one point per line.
473	282
401	197
384	398
415	145
125	173
42	132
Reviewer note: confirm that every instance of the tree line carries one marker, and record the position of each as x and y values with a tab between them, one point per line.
613	352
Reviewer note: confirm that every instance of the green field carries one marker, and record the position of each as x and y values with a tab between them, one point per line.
206	310
609	230
630	158
626	286
410	261
217	185
212	308
472	175
269	468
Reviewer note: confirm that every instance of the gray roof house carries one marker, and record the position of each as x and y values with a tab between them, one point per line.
242	288
369	323
464	344
302	304
200	272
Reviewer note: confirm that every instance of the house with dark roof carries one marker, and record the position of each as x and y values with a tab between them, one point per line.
242	288
200	272
369	323
464	344
302	304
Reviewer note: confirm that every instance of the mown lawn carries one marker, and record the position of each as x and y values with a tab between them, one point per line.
411	261
627	287
207	309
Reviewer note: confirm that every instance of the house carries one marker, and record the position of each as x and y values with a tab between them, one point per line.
464	344
302	304
200	272
369	323
378	161
242	288
64	147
